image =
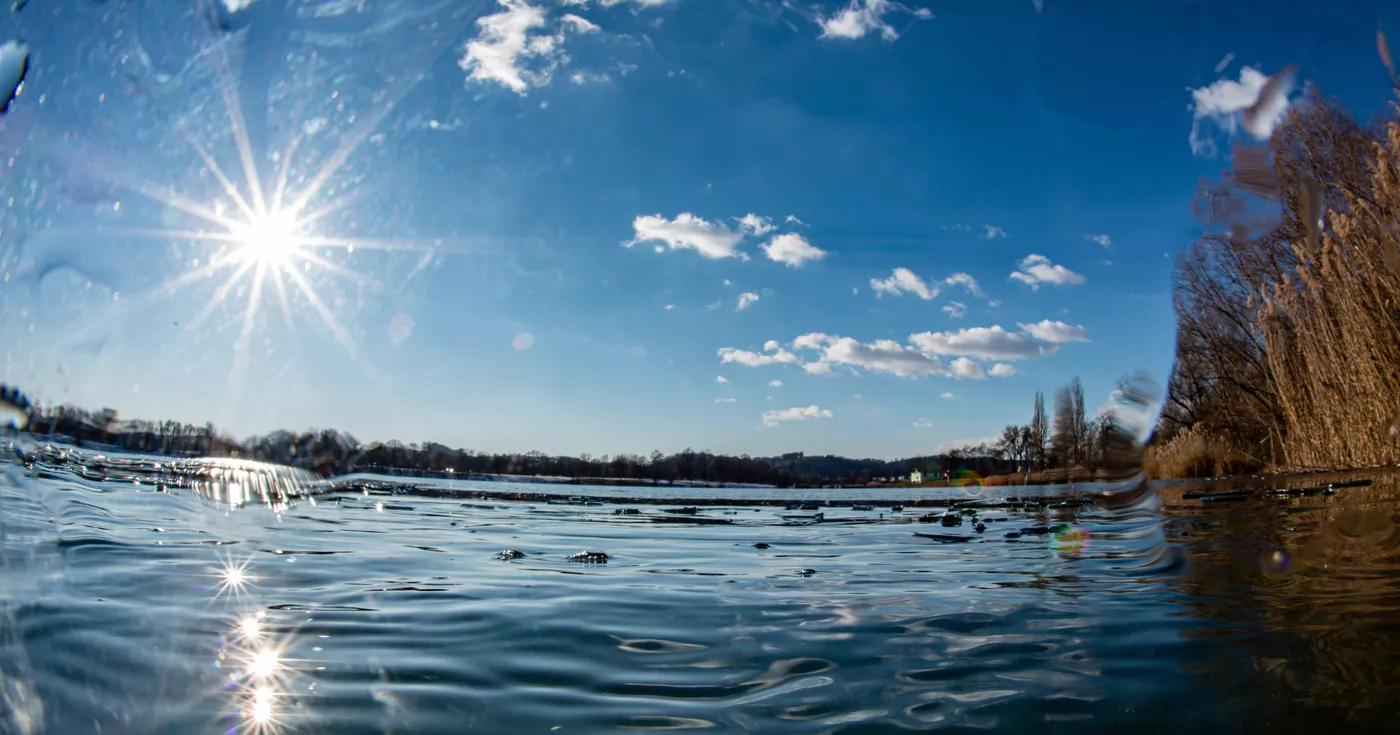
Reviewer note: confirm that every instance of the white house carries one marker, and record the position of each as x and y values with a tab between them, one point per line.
916	477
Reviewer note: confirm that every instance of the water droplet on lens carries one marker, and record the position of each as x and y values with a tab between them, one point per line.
14	65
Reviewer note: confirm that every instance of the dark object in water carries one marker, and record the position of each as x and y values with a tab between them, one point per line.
1038	530
809	506
509	554
807	572
898	509
1013	534
952	520
626	512
809	519
969	512
1202	495
980	527
1349	483
592	502
687	511
793	506
862	507
590	557
760	545
928	518
698	520
944	538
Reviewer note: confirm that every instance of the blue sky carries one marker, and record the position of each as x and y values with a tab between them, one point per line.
866	228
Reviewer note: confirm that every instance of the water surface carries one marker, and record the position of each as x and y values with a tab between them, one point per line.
145	608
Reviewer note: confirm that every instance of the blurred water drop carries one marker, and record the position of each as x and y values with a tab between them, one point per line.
523	341
400	328
14	65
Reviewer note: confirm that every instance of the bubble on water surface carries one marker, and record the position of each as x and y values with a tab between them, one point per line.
1276	564
14	65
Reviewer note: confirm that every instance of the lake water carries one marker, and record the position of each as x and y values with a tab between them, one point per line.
133	607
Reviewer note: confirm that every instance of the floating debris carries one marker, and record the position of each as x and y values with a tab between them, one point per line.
689	510
698	520
807	572
761	545
898	509
590	557
14	65
509	554
626	512
810	506
944	538
952	520
980	527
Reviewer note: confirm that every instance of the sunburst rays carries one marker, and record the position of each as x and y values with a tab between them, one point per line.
265	242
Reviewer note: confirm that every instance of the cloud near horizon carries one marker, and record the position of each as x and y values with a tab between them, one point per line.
925	353
773	418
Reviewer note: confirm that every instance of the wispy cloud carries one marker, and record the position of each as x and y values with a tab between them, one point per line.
955	309
901	281
756	359
966	281
756	225
1103	240
1034	270
945	395
793	220
773	418
993	232
1055	332
521	46
589	77
792	250
775	384
864	16
721	379
724	400
747	299
922	423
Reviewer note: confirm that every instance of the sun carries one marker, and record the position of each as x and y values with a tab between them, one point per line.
269	240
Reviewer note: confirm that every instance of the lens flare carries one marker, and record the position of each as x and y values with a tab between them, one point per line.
1276	564
972	484
1070	540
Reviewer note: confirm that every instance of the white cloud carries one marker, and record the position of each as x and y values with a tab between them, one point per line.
863	16
721	379
670	307
793	220
771	345
507	40
955	309
775	384
987	343
711	239
747	299
1037	269
756	359
1001	370
945	395
993	232
966	281
1103	240
904	280
773	418
724	400
756	225
1256	101
792	250
880	356
588	77
922	423
1055	332
638	3
580	25
728	282
994	303
965	368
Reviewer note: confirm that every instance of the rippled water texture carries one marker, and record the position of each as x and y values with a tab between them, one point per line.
132	606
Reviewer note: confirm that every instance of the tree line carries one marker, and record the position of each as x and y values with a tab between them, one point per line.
1288	314
1073	442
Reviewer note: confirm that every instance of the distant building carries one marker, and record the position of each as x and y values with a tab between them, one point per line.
916	477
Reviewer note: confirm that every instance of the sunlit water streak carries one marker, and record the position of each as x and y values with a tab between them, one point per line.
142	606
